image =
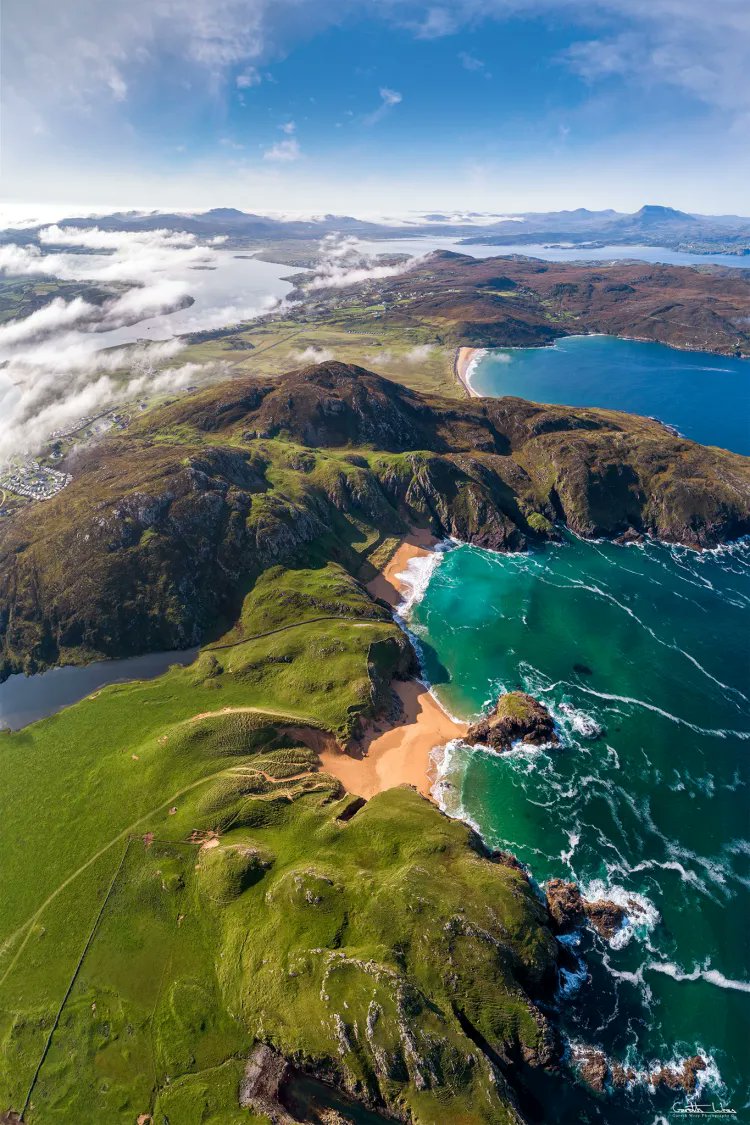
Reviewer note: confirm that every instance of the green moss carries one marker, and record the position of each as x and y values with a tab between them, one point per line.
539	523
514	705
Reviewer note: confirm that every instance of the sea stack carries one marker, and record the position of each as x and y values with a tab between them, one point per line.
517	717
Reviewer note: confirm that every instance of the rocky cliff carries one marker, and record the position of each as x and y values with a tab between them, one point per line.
163	528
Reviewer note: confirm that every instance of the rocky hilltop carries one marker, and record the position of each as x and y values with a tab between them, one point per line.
520	301
165	527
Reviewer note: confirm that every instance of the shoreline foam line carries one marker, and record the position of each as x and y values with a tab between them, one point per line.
464	365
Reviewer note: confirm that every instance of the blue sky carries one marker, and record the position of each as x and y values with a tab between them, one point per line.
379	106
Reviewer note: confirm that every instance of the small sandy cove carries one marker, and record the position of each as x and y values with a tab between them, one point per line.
396	754
464	357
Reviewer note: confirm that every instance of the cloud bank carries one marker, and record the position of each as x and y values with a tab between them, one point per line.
343	263
54	368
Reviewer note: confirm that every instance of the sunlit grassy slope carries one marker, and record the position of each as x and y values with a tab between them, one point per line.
138	966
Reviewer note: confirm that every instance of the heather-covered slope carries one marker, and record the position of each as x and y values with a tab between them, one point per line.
504	302
165	527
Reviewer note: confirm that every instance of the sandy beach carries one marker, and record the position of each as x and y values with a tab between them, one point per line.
398	753
386	585
391	755
464	357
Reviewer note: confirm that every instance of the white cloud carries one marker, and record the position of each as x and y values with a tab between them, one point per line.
388	99
126	256
284	151
51	318
288	127
50	399
419	353
248	78
414	356
92	238
50	384
313	354
470	62
437	23
704	54
344	264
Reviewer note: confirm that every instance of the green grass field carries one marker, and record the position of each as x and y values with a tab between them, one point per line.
412	353
138	966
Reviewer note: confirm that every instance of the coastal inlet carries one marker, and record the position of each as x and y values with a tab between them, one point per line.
640	655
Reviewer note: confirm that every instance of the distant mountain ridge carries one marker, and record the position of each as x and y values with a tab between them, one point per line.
652	224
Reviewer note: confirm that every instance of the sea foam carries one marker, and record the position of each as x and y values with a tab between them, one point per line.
711	976
641	916
415	578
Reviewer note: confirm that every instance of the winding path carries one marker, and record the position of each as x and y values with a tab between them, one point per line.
132	828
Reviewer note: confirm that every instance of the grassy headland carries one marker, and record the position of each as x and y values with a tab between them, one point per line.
180	881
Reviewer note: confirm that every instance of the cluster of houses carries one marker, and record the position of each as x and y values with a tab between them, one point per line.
35	481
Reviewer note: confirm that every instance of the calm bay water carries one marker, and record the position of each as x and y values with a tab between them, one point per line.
650	644
237	287
551	253
707	397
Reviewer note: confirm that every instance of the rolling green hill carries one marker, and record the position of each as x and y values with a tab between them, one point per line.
179	882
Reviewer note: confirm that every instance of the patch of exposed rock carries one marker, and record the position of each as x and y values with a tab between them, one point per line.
565	905
606	917
517	717
600	1073
568	910
265	1073
684	1077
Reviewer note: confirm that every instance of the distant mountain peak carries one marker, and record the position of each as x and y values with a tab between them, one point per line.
653	212
225	213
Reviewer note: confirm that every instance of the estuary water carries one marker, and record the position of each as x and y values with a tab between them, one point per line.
641	655
24	699
706	397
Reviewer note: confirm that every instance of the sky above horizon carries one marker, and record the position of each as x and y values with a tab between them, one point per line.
376	107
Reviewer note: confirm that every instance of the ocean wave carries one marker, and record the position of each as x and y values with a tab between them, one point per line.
572	979
444	791
711	976
574	840
471	368
718	732
577	584
582	723
686	875
416	576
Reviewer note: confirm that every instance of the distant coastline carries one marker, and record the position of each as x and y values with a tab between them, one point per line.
463	365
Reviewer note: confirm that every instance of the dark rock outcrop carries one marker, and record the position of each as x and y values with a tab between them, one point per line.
565	905
684	1077
568	909
265	1073
593	1068
601	1073
606	917
517	717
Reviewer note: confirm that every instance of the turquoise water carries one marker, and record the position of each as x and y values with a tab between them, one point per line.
706	397
650	644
